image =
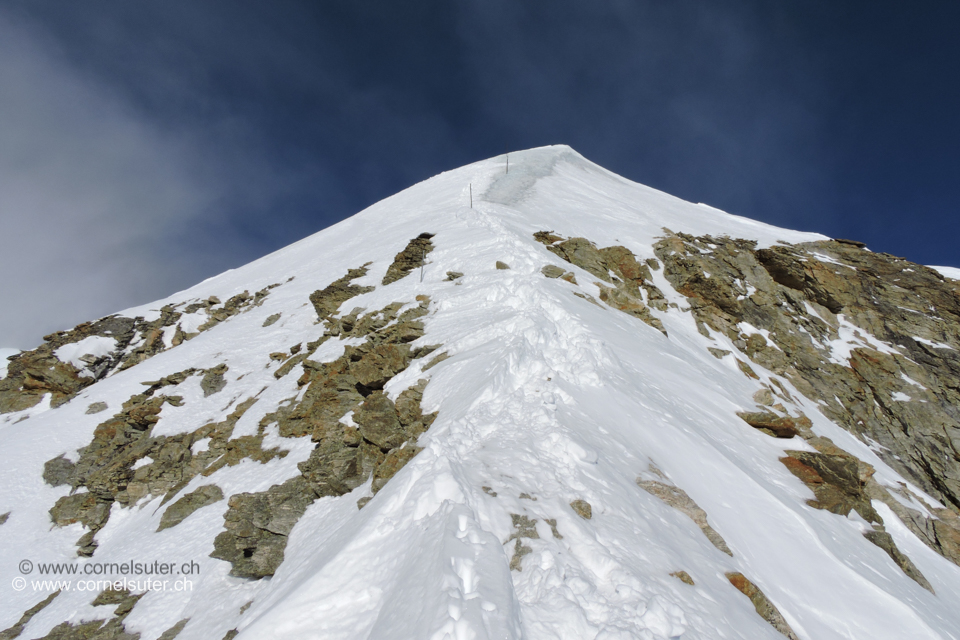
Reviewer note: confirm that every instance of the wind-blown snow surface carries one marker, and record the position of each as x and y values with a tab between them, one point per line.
545	394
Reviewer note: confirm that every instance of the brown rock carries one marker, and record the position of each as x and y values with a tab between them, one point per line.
762	604
582	509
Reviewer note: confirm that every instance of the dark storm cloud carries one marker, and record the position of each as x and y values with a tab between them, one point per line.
153	144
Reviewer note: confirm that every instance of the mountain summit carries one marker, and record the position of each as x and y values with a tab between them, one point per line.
525	401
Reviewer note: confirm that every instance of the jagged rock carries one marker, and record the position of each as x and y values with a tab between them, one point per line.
327	301
525	527
58	471
941	533
182	508
885	541
257	525
552	522
793	294
379	423
96	407
105	466
412	257
453	275
111	629
81	507
14	631
174	631
4	517
761	603
213	380
519	550
837	479
392	463
684	577
764	397
772	424
344	456
619	267
271	319
502	265
679	500
552	271
582	509
33	374
546	237
436	360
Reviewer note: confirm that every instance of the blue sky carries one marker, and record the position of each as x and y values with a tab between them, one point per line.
146	146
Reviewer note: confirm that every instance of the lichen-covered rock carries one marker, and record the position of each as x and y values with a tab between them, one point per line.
33	374
213	380
793	294
96	407
552	271
873	338
379	422
17	628
885	541
328	300
678	499
271	319
392	463
105	474
761	603
683	577
412	257
257	526
582	508
182	508
614	265
109	629
771	423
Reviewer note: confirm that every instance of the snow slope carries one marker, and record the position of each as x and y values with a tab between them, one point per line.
546	398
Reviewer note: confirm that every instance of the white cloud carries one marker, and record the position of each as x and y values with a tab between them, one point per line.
86	188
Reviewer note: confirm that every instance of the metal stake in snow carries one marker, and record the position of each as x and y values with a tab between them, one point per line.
471	195
423	256
508	163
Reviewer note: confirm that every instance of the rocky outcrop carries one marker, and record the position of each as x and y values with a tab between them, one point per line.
875	339
762	604
412	257
182	508
360	432
213	380
524	528
109	629
678	499
582	508
33	374
614	265
15	630
327	301
110	469
872	338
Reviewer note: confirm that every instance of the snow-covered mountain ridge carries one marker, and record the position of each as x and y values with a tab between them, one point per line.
579	408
